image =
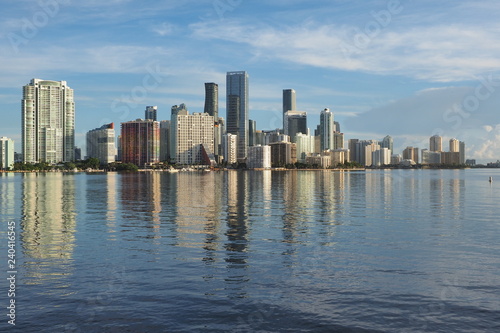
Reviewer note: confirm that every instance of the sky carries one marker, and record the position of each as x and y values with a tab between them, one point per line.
406	68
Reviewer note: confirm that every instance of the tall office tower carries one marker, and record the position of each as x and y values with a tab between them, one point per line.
6	153
140	142
462	152
230	148
411	153
195	139
326	129
295	122
48	122
454	145
289	102
175	111
352	149
237	109
436	143
164	140
252	129
388	142
212	100
101	143
150	112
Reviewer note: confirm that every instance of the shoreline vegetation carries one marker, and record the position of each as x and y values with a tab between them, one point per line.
93	166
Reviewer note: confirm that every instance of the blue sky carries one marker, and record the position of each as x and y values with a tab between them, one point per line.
406	68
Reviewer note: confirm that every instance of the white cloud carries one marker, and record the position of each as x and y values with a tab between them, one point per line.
163	29
436	53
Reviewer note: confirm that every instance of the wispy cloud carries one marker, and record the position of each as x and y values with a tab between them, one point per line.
437	53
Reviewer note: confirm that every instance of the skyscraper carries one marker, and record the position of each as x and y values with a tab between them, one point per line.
212	100
140	142
388	142
164	140
289	102
195	139
237	109
6	153
295	122
326	129
175	111
454	145
436	143
48	122
150	112
101	143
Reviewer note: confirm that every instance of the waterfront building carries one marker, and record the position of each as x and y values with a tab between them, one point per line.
101	143
396	159
175	111
165	128
283	153
435	143
431	157
338	156
150	113
411	153
48	122
381	157
369	150
295	122
140	142
230	148
319	160
6	153
259	157
461	150
195	139
326	130
450	157
305	146
237	109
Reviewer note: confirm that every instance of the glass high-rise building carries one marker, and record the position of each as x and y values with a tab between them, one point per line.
326	129
150	112
295	122
212	100
237	109
48	122
289	102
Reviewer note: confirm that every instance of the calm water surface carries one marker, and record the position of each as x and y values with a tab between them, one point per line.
308	251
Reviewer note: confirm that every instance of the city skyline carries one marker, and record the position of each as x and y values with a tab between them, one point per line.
398	78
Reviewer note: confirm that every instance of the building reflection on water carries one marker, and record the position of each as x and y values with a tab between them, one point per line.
48	224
